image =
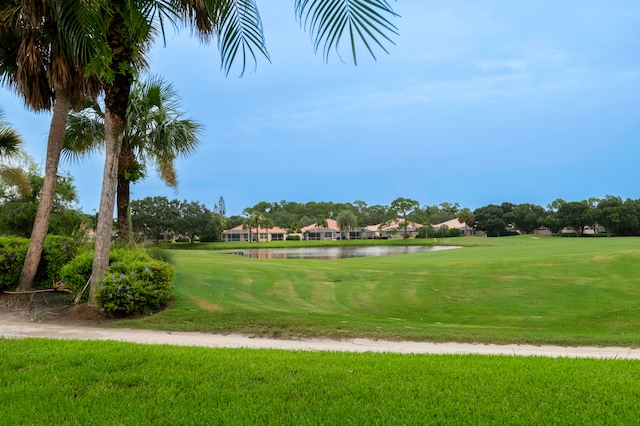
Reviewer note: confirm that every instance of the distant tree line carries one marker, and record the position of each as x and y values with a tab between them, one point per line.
161	219
158	218
293	216
612	214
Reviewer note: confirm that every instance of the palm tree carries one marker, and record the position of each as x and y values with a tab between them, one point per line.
467	217
155	132
45	48
237	27
11	150
347	221
10	141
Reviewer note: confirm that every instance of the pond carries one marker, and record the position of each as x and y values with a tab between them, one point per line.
333	253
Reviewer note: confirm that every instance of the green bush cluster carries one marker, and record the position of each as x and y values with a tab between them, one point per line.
76	273
57	252
443	232
134	282
293	237
12	253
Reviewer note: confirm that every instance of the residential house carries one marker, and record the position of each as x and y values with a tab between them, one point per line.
395	229
323	233
465	230
240	234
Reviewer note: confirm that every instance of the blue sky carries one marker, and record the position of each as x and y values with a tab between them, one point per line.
477	103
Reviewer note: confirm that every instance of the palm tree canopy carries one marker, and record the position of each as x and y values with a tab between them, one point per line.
155	129
346	220
10	141
44	47
331	20
237	26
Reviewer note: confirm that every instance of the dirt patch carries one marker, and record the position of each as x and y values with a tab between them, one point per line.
47	307
211	307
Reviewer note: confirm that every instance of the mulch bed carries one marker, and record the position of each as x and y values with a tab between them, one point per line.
49	306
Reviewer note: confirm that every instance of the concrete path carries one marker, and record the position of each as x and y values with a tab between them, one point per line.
79	332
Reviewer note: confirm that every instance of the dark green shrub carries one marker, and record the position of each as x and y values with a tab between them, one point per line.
149	281
76	273
134	283
293	237
12	253
159	254
453	232
56	253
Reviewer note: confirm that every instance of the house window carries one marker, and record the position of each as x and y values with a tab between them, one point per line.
328	234
234	237
277	237
314	235
264	236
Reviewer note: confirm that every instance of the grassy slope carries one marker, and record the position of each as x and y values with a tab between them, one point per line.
516	289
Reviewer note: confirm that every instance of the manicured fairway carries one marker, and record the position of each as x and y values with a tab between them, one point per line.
47	382
577	291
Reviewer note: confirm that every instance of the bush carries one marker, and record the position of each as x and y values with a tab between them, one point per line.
293	237
12	253
159	254
453	232
56	253
76	273
134	283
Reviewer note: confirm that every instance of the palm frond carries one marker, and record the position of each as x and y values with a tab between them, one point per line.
16	178
10	141
239	32
330	21
84	133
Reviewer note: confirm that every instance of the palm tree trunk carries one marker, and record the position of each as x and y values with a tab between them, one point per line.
122	204
116	101
126	161
113	137
41	225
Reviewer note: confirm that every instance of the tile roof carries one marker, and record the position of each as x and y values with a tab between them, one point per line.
332	226
272	230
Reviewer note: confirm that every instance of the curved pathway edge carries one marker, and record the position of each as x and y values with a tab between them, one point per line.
58	331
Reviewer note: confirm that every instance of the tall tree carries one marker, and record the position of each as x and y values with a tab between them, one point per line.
492	219
220	208
467	217
346	222
155	132
528	217
237	27
45	50
403	207
608	213
576	215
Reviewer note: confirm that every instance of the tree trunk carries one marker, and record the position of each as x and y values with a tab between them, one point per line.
41	225
126	162
113	138
116	101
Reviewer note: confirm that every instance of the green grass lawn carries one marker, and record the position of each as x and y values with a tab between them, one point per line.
574	291
552	290
48	382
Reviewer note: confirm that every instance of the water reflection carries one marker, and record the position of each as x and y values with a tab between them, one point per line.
333	253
